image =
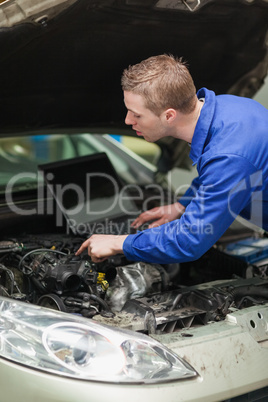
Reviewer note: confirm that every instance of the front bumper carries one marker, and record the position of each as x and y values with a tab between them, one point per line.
230	356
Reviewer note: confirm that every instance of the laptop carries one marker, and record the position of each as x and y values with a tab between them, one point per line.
90	195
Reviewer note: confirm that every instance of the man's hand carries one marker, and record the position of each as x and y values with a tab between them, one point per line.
100	247
160	215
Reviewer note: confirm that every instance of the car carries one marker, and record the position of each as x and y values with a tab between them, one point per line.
73	330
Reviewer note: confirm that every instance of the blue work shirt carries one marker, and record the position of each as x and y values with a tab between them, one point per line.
230	149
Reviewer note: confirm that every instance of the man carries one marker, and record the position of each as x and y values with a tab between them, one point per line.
229	144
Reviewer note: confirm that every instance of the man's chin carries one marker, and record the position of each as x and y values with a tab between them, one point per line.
141	135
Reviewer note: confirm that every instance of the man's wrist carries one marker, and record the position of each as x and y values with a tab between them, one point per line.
118	244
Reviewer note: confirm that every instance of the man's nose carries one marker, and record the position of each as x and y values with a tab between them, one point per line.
129	119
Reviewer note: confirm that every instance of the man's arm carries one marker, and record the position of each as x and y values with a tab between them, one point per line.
223	195
190	192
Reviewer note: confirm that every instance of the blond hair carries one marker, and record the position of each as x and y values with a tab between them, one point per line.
163	81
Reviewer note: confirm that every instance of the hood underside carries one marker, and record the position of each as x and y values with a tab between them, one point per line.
61	61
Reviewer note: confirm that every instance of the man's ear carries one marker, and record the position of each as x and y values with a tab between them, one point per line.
170	115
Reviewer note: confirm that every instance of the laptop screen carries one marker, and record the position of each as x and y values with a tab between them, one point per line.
88	189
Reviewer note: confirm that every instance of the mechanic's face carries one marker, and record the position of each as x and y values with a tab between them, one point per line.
143	120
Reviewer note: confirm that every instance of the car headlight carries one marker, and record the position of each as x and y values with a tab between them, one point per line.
73	346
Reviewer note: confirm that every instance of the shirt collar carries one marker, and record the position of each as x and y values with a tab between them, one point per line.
203	124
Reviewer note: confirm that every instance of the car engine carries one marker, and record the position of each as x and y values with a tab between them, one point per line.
150	298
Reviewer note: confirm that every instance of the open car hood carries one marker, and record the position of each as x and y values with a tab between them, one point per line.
61	61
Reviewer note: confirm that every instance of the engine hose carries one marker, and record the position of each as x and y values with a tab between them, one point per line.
106	309
101	302
38	250
260	291
39	285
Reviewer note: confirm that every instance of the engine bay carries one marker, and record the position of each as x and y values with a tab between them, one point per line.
149	298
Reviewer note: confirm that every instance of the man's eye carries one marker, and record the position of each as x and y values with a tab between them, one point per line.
136	116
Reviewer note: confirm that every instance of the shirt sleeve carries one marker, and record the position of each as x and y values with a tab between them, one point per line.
190	193
225	190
